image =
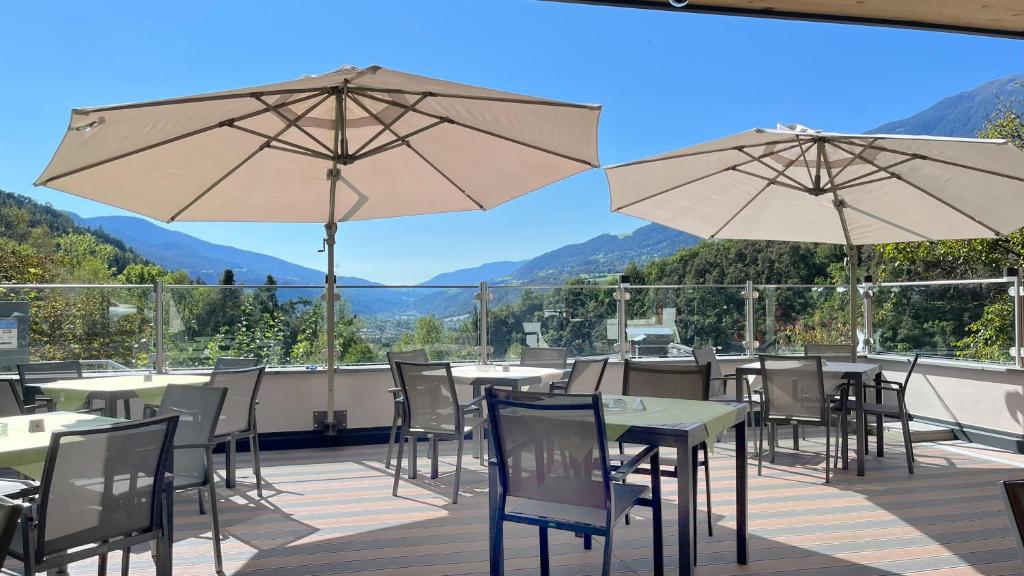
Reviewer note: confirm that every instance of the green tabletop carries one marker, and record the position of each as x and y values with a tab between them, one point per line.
72	394
716	417
26	451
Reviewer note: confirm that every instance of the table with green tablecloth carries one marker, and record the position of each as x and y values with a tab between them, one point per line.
25	451
73	394
683	425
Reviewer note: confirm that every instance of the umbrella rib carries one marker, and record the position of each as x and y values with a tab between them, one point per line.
947	163
847	186
245	160
298	127
694	180
853	158
309	151
385	127
481	130
420	155
201	99
856	180
398	141
807	163
316	155
750	201
700	153
781	173
887	222
174	139
504	99
942	201
774	180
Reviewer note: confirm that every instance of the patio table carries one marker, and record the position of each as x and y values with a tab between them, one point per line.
671	423
835	373
72	394
517	377
25	451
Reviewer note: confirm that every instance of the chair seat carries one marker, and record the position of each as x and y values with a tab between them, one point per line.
624	497
883	409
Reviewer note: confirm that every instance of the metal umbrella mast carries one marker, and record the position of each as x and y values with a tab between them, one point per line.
398	144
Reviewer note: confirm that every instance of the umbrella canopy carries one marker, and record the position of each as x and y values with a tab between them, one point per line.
353	144
802	185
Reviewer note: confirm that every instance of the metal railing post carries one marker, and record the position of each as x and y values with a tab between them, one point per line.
621	297
158	319
484	349
749	296
868	298
1018	317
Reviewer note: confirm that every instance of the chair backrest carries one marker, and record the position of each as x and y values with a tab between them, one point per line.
198	410
708	356
429	396
43	372
794	387
834	352
666	380
586	374
910	371
1013	497
552	453
102	483
557	358
243	386
10	514
10	399
225	363
419	356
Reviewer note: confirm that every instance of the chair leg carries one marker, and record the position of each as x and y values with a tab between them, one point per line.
606	563
101	565
126	560
760	444
908	441
254	447
391	438
413	455
434	456
773	437
707	487
458	469
545	561
796	436
218	557
828	446
398	462
588	542
202	503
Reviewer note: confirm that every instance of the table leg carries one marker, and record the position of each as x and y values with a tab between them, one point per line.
862	427
656	517
742	546
109	406
687	516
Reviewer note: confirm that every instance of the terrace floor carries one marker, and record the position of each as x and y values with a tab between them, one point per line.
330	511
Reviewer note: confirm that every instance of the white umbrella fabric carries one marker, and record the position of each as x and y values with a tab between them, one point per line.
353	144
801	185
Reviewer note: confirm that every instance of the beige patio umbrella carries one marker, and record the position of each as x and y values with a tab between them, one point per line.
353	144
802	185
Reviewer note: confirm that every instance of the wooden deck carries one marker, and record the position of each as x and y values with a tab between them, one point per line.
331	512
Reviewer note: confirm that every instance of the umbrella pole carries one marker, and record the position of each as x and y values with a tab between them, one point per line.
851	262
330	425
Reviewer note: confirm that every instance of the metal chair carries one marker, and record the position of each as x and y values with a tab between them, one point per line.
1013	497
10	516
238	418
226	363
679	381
396	394
102	490
432	410
585	374
557	358
11	403
198	409
881	409
552	462
794	393
32	374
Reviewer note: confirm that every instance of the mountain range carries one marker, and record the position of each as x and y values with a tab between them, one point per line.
961	115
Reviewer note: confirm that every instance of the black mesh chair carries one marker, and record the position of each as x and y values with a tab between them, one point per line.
396	395
432	410
794	393
11	403
238	418
226	363
680	381
585	375
10	516
889	401
102	490
198	410
1013	497
32	374
551	454
557	358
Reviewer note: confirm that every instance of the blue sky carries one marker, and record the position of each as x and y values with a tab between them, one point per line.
666	80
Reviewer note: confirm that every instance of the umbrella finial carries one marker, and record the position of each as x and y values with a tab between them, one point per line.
796	128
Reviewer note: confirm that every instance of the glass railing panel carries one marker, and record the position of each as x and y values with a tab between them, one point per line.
442	320
968	320
788	317
581	318
109	327
672	320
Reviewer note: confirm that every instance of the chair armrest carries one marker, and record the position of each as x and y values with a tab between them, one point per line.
195	445
895	387
35	408
559	386
90	411
633	463
17	489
